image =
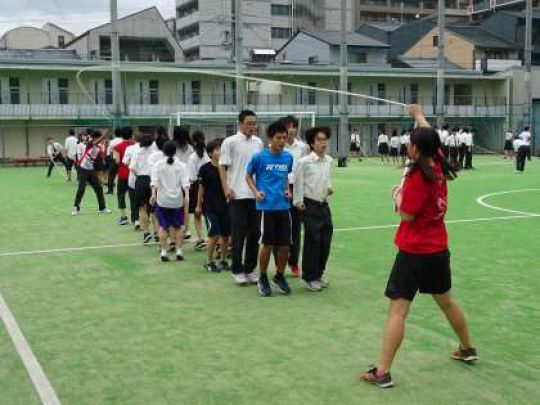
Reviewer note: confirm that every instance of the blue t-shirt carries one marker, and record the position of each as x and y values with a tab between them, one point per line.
271	177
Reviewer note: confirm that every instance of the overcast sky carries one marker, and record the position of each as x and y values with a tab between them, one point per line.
75	15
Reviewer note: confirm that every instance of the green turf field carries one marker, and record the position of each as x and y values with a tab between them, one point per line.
115	325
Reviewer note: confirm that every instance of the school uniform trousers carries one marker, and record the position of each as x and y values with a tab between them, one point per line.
468	157
462	151
245	230
522	154
113	171
57	158
90	177
318	231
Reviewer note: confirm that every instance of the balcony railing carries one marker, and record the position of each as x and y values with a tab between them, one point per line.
155	105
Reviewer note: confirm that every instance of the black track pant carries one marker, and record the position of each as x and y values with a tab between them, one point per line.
246	229
89	176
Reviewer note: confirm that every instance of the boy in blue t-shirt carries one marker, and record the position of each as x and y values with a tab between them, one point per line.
271	169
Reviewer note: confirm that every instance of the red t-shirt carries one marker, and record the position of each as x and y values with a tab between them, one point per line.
427	201
123	170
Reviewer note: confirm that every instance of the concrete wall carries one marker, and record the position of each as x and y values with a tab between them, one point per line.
26	38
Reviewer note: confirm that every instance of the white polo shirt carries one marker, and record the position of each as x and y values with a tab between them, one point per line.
236	153
298	150
71	147
525	137
128	157
113	143
170	180
313	178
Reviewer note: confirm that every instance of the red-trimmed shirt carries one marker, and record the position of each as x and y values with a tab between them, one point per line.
123	170
426	201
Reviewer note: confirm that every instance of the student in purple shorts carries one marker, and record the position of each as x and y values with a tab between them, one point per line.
170	185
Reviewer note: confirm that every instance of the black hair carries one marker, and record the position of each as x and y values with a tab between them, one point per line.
244	114
275	128
181	137
169	150
199	143
289	120
71	132
127	133
445	127
403	132
311	133
118	131
394	132
95	134
146	140
428	143
213	145
161	131
161	140
526	128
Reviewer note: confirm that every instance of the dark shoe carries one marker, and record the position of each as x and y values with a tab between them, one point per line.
147	238
223	266
264	286
165	259
383	381
200	245
211	268
468	355
282	284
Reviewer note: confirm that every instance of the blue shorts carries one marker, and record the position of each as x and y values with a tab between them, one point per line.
218	225
170	217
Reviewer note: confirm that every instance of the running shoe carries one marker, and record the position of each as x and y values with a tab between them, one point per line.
381	381
282	284
211	267
252	278
105	211
165	258
137	225
324	282
179	255
147	238
264	286
187	236
295	271
240	279
200	245
74	211
466	355
123	221
314	286
223	266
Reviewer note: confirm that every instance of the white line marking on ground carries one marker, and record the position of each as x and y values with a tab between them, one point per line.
33	368
360	228
480	200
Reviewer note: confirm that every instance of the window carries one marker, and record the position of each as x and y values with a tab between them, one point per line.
280	9
462	94
435	40
312	94
104	47
281	33
153	86
188	8
230	130
196	92
313	59
413	93
14	90
61	41
381	92
360	57
63	91
108	92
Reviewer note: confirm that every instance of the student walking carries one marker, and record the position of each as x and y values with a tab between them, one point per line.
523	149
212	203
382	146
236	153
395	147
70	148
87	173
54	152
312	189
423	261
508	144
170	184
271	169
112	166
130	152
122	186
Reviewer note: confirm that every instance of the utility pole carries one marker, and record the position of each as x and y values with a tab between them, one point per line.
115	71
528	69
239	54
440	64
343	138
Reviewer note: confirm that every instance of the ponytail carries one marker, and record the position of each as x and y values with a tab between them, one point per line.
170	160
169	149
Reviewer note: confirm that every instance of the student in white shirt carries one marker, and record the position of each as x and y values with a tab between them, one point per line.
355	143
54	152
312	189
508	144
140	167
70	148
196	160
112	167
526	137
183	144
130	152
469	144
382	146
170	186
236	153
395	145
462	147
443	136
452	142
298	150
404	140
523	149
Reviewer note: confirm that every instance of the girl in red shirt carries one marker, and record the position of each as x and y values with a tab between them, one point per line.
423	261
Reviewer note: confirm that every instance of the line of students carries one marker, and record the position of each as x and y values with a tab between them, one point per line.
396	146
458	145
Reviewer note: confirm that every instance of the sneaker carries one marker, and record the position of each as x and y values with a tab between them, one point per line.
264	286
187	236
200	245
105	211
381	381
314	286
252	278
179	255
74	211
137	225
295	271
467	355
211	268
282	284
240	279
324	283
223	266
123	221
147	238
165	259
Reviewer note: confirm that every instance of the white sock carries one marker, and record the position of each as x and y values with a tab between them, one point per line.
179	252
163	252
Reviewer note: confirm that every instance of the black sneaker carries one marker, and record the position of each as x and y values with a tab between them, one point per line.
211	268
147	238
200	245
165	259
223	266
172	247
180	256
123	221
282	284
383	381
468	355
264	286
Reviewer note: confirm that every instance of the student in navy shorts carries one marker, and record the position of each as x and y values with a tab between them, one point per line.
212	203
170	185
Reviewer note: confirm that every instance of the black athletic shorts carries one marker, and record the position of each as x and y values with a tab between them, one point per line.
143	191
394	152
276	228
428	273
193	191
69	164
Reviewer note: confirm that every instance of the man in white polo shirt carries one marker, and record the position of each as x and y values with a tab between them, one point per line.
236	153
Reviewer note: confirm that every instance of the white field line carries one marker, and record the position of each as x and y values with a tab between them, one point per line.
480	200
42	385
